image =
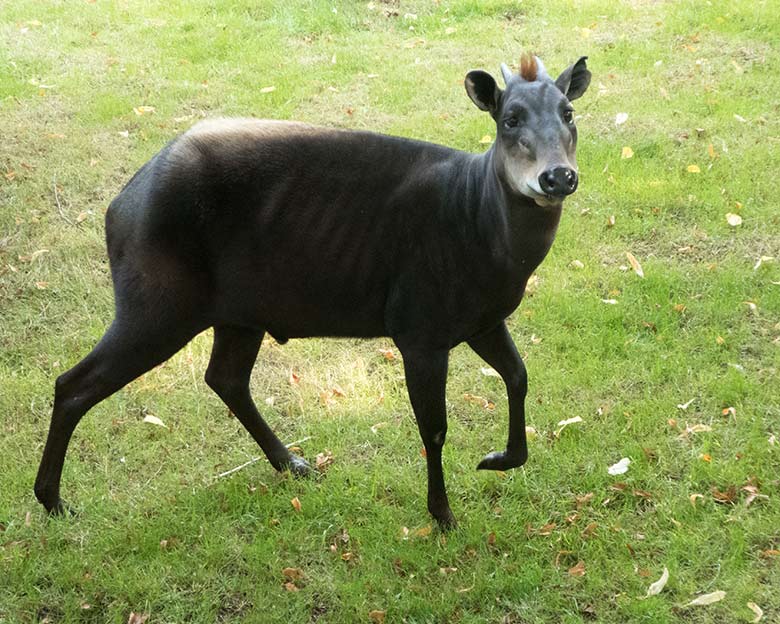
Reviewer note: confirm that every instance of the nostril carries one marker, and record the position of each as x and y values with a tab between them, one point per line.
547	181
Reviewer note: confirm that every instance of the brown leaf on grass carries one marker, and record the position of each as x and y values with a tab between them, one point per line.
269	89
547	529
28	519
611	221
491	539
583	499
296	504
137	618
291	587
377	616
643	494
626	153
635	264
447	570
323	461
769	552
388	354
589	530
729	411
727	497
423	531
478	400
578	570
293	379
292	574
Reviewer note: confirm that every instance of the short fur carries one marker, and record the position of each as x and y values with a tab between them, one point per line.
254	227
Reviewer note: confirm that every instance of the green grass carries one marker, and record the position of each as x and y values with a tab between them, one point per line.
690	74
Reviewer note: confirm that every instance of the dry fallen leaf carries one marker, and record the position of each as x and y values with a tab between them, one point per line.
727	497
611	221
685	406
324	461
609	301
423	531
620	467
694	497
658	586
387	354
693	169
153	420
292	574
490	372
578	570
635	264
143	110
627	152
291	587
267	89
137	618
293	379
377	616
757	610
478	400
734	220
576	264
296	504
565	423
706	599
621	118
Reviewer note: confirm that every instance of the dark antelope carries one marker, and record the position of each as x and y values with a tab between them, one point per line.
252	226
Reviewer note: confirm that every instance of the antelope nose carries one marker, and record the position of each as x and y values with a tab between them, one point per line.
558	181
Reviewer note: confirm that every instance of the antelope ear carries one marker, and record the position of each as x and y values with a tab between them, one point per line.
574	80
483	90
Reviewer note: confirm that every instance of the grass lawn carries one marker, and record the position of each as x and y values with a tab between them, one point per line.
680	375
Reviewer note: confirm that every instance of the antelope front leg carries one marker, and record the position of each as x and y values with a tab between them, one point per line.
498	350
426	379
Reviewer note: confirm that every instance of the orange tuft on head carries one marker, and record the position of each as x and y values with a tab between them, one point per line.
529	68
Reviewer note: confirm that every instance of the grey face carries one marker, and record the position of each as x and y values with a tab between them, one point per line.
536	139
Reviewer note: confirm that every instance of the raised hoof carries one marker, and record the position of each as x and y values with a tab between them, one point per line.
298	466
499	460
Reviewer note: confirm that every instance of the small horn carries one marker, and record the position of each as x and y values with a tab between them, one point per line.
506	73
541	71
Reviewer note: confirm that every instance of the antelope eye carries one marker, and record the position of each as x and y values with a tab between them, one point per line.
511	122
568	116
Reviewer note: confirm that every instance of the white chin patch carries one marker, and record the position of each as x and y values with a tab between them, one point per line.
532	191
547	201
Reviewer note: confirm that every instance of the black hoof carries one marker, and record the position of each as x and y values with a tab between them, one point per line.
60	509
499	460
445	519
298	466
